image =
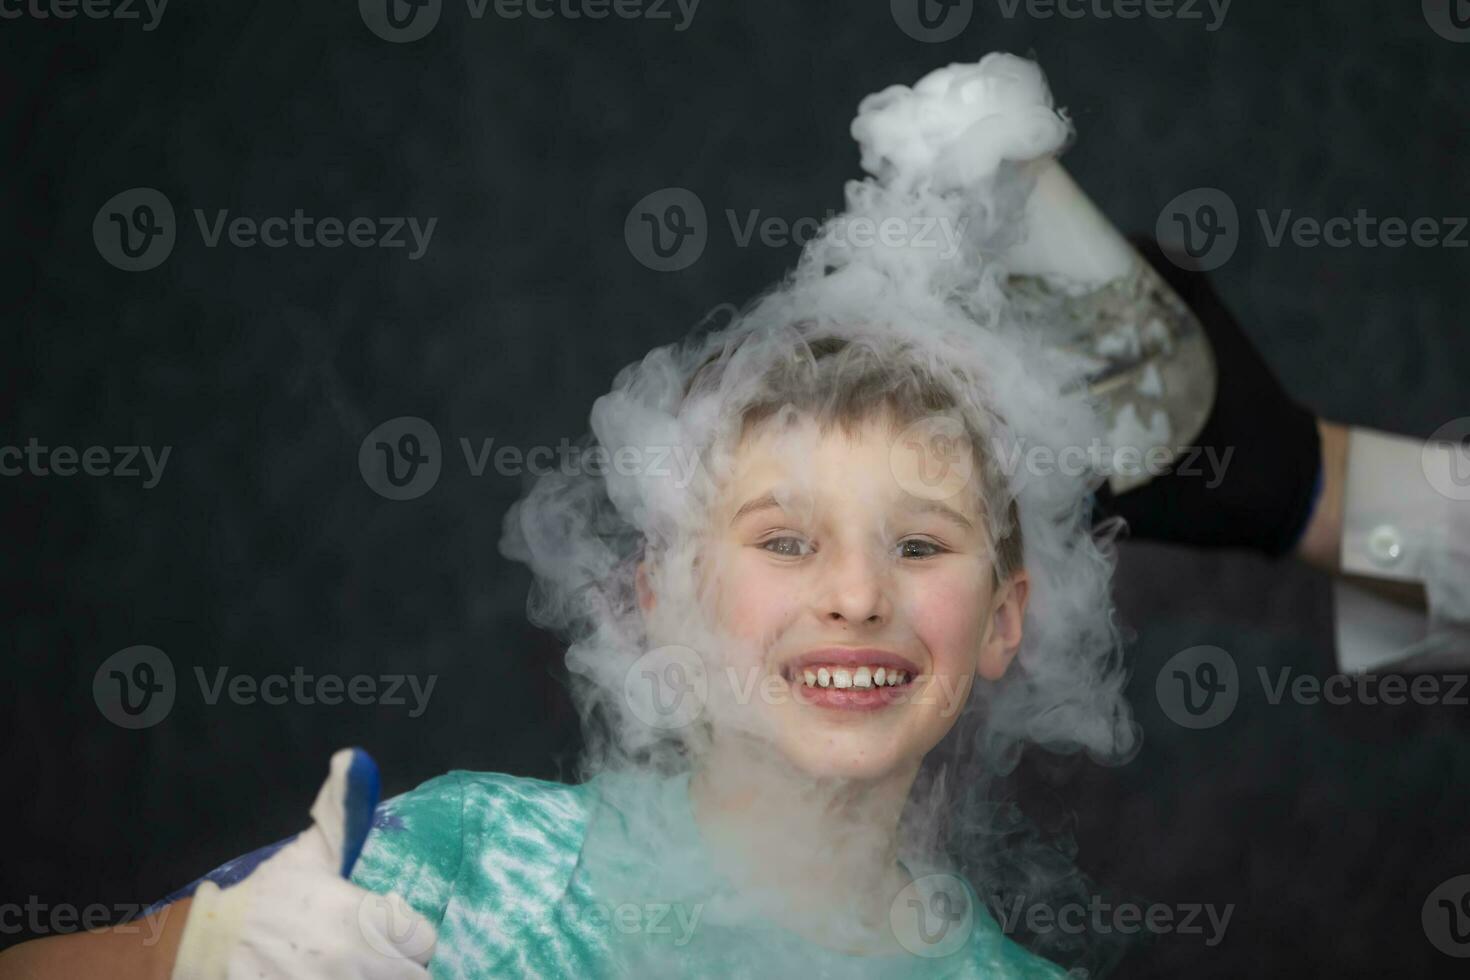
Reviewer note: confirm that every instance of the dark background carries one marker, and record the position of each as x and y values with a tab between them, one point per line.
263	548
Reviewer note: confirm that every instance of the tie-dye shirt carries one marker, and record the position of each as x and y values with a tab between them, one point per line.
515	874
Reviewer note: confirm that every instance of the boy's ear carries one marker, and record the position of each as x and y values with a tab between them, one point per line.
1003	633
645	591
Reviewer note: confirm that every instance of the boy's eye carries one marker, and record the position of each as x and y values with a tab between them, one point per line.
786	547
919	548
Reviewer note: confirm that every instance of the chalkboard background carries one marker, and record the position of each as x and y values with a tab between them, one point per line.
262	549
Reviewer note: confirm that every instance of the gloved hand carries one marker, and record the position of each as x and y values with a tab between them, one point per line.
296	915
1270	482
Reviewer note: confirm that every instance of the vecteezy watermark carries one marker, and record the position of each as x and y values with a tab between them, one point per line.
1340	689
671	687
400	21
1446	917
933	916
1210	12
1450	19
1200	687
404	21
1206	462
148	12
676	921
136	230
310	689
1201	228
1445	459
932	21
136	688
668	230
1098	916
307	231
849	231
667	688
948	692
678	463
1362	230
402	458
40	918
115	461
392	928
932	459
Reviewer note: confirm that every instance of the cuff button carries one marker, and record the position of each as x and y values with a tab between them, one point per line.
1385	544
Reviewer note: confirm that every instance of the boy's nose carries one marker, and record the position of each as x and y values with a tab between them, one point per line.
854	590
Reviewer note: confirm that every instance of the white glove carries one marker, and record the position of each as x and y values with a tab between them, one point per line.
296	915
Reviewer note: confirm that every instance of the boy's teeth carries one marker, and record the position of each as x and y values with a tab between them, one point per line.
843	677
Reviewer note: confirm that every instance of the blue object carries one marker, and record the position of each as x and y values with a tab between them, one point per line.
363	789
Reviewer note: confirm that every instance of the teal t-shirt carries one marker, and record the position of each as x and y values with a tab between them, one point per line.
527	878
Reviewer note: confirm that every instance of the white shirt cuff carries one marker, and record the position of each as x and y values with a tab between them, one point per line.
1406	518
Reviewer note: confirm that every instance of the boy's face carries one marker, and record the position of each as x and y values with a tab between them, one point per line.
822	569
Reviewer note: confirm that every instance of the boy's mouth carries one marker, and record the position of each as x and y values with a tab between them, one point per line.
850	678
843	678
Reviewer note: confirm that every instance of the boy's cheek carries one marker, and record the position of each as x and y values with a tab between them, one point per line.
948	622
754	603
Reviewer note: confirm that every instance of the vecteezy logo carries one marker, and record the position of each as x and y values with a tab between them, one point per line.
1450	19
934	21
1198	687
667	687
135	229
933	916
667	230
400	21
401	459
134	688
1446	917
1446	459
932	458
392	928
1199	229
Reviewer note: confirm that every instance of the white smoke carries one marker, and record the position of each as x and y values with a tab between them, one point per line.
953	152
